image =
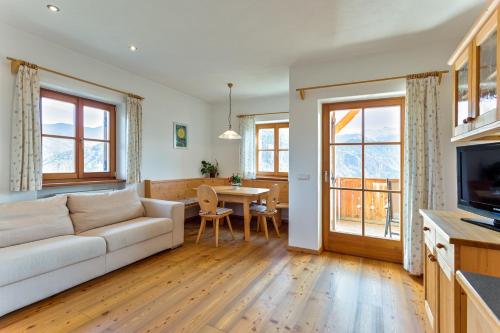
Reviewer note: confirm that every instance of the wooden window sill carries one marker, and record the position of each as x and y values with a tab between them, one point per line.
271	178
78	182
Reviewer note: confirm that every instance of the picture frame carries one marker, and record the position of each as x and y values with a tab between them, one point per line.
180	135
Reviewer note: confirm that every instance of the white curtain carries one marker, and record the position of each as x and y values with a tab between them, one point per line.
134	139
423	182
26	140
247	147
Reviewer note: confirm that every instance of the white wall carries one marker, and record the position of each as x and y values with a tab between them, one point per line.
161	107
227	151
305	124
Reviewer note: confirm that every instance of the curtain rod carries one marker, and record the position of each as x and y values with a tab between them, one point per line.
260	114
15	63
302	91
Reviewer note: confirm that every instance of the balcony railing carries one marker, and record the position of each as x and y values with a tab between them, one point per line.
380	209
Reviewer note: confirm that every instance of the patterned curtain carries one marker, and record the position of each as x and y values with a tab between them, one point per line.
423	182
26	140
134	139
247	147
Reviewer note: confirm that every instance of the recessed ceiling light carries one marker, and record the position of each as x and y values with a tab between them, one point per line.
53	8
132	48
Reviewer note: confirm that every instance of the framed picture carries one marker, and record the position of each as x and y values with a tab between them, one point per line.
180	136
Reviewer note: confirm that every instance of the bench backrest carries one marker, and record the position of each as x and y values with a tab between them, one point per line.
178	189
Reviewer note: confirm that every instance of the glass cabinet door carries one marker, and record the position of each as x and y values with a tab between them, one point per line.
487	74
462	93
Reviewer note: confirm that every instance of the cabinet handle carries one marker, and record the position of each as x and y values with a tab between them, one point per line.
440	246
431	257
426	229
468	120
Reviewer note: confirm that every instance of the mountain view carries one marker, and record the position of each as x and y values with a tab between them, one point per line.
381	161
59	156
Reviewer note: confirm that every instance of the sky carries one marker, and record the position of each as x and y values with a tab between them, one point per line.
62	112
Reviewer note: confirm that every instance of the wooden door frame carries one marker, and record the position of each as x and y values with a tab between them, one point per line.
359	245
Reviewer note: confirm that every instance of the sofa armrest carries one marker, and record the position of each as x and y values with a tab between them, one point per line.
171	209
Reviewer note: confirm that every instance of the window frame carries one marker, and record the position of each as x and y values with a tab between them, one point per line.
362	105
80	175
276	149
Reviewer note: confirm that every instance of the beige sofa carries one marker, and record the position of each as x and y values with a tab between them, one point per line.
49	245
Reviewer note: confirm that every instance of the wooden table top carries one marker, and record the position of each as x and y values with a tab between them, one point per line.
240	190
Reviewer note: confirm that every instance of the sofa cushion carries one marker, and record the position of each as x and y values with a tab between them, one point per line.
131	232
23	261
27	221
93	210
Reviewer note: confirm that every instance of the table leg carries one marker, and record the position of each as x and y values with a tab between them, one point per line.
246	219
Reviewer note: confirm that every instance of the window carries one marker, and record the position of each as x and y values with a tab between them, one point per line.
78	137
272	149
364	143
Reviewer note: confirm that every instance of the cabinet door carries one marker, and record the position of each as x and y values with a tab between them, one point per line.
446	319
485	74
462	94
430	289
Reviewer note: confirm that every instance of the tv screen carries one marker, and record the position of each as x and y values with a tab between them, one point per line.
479	179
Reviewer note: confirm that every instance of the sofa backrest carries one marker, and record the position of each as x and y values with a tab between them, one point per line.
94	210
27	221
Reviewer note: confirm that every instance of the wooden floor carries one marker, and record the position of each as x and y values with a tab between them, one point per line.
239	287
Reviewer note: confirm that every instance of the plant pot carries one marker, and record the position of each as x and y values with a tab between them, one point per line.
236	185
212	175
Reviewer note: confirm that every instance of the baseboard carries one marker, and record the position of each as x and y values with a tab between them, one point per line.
304	250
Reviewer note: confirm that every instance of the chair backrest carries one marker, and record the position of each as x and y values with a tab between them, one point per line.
273	197
207	198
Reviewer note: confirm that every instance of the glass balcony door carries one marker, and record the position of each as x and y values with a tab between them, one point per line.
362	162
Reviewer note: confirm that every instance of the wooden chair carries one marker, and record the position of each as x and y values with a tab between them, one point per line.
207	198
269	210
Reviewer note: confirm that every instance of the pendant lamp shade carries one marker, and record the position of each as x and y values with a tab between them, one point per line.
230	134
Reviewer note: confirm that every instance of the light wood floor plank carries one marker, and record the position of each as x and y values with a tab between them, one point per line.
255	286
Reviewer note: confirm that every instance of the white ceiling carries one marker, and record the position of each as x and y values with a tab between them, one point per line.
196	46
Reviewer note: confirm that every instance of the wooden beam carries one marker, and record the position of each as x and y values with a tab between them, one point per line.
346	120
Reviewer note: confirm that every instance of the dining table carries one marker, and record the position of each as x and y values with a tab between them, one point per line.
244	196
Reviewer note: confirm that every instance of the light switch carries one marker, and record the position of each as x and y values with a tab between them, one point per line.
303	176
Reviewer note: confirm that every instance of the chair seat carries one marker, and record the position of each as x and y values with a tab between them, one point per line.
279	205
261	210
221	211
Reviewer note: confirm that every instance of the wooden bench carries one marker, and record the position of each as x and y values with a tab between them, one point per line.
183	190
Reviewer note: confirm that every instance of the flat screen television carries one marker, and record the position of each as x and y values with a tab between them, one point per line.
478	171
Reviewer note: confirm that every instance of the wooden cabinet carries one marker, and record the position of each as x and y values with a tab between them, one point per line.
446	320
450	245
480	295
462	75
476	111
430	288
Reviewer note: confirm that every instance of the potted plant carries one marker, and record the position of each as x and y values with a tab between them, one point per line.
235	180
207	168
